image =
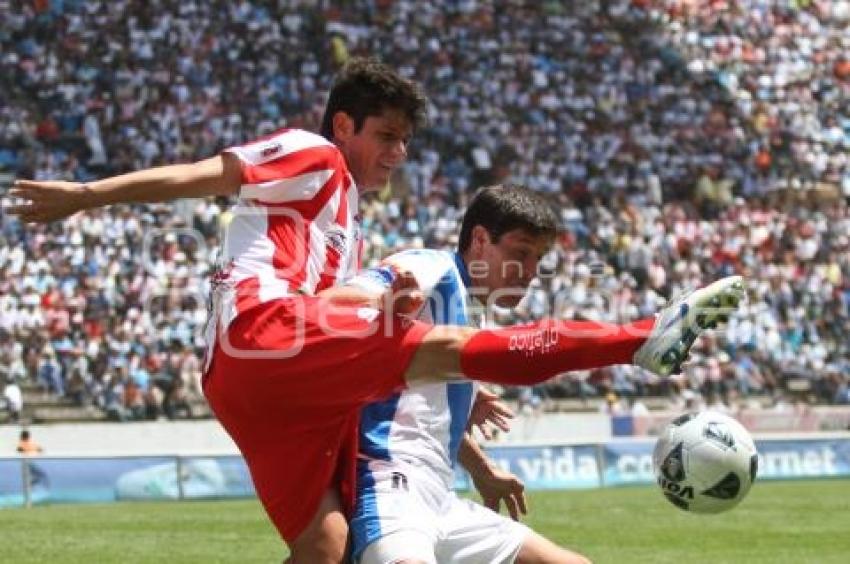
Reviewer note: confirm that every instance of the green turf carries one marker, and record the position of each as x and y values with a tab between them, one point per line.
781	522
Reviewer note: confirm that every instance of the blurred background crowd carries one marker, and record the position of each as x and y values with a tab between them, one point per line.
679	140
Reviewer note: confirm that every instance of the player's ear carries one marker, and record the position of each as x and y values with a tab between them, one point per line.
343	126
480	239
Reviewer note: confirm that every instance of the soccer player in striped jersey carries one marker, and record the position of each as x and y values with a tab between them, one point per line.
411	442
294	355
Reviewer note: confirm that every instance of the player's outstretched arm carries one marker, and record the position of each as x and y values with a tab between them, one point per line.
46	201
494	484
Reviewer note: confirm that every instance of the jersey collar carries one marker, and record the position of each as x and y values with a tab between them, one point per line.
461	267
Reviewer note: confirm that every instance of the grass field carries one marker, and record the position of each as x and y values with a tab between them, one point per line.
781	522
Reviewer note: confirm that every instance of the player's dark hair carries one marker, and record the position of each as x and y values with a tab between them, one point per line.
366	87
503	208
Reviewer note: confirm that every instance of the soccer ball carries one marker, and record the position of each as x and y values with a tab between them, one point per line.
705	462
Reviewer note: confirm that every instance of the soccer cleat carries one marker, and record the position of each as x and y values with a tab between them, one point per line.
683	320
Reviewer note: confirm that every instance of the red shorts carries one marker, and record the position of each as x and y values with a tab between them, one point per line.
287	381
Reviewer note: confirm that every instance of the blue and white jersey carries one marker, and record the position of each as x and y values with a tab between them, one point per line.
424	424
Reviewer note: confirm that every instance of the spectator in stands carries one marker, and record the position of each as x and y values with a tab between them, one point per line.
176	402
12	400
112	398
50	373
133	400
153	403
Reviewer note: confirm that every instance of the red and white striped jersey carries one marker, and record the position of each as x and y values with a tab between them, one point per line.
295	228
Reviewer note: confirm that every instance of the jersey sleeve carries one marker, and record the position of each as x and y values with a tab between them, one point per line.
427	267
288	166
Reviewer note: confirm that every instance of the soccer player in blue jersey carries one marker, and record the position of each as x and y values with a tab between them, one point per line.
410	443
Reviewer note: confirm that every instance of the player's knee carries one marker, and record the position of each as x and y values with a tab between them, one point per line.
447	342
539	550
438	356
448	336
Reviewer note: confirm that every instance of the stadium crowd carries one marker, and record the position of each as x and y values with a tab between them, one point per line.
680	141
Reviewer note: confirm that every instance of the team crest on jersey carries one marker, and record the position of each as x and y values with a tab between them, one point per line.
336	238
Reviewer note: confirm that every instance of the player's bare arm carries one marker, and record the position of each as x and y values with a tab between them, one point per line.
46	201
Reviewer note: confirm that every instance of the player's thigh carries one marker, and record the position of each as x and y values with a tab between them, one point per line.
306	352
325	538
394	519
291	480
473	534
401	547
537	549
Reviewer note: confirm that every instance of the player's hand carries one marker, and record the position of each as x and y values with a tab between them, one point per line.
404	296
488	408
499	486
46	201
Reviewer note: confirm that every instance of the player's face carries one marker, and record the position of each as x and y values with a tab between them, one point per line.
505	269
376	150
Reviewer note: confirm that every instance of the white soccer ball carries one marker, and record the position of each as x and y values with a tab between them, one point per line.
705	462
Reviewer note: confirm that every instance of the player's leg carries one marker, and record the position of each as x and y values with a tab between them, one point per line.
474	534
449	352
530	354
293	461
537	549
400	547
395	519
325	538
295	417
